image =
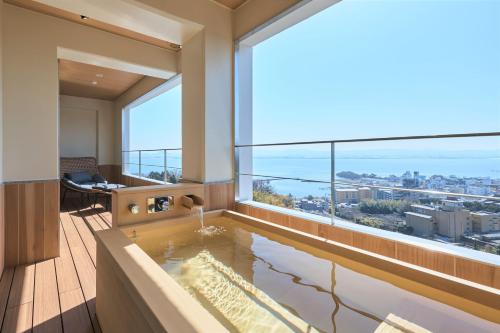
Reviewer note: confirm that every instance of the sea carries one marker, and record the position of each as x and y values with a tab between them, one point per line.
316	167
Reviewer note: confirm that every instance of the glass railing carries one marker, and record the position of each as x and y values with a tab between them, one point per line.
444	188
164	165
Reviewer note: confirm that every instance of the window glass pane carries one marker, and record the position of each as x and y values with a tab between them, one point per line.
156	123
155	137
380	68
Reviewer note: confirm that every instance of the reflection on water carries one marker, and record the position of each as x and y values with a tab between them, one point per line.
255	281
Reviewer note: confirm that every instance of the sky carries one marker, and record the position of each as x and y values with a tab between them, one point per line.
157	123
364	69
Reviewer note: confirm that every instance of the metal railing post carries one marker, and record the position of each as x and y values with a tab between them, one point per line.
165	165
332	180
140	163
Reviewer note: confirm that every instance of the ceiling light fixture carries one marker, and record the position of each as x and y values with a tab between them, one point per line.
83	17
100	75
94	82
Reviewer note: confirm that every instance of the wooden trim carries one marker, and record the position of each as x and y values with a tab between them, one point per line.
31	222
464	268
75	18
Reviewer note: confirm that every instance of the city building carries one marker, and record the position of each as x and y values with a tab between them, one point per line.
423	225
365	193
483	222
347	195
450	218
384	194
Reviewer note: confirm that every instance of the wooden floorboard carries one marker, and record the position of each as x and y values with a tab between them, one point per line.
19	313
5	284
46	308
84	265
57	295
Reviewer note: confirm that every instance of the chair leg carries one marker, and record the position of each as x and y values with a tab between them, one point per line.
81	198
95	199
64	196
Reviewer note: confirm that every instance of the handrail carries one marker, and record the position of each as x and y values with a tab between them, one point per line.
153	165
160	149
333	181
393	138
164	166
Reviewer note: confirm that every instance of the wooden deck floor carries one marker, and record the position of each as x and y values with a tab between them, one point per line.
57	295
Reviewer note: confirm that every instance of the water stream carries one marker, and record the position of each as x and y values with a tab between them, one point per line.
208	230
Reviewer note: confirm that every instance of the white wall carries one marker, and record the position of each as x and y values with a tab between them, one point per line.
31	124
99	132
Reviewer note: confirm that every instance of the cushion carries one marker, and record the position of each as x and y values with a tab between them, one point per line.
79	177
98	178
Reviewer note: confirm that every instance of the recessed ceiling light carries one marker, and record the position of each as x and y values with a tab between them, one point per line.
83	17
99	75
94	82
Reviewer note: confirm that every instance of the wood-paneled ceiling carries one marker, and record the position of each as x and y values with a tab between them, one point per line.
233	4
83	80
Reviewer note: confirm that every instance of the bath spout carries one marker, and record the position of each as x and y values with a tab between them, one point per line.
191	200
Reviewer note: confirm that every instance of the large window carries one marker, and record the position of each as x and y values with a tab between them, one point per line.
152	134
328	111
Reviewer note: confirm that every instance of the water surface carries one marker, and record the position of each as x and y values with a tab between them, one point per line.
255	281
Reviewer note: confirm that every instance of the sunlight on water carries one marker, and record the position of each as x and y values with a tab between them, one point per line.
209	230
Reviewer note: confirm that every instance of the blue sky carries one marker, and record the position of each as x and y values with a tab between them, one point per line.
157	123
366	69
382	68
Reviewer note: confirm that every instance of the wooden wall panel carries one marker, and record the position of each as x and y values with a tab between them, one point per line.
122	198
219	196
467	269
134	181
31	221
112	173
412	254
11	201
51	220
2	231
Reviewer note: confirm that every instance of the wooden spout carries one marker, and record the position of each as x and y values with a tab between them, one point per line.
191	200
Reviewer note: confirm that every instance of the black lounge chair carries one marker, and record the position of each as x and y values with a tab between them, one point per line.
81	175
